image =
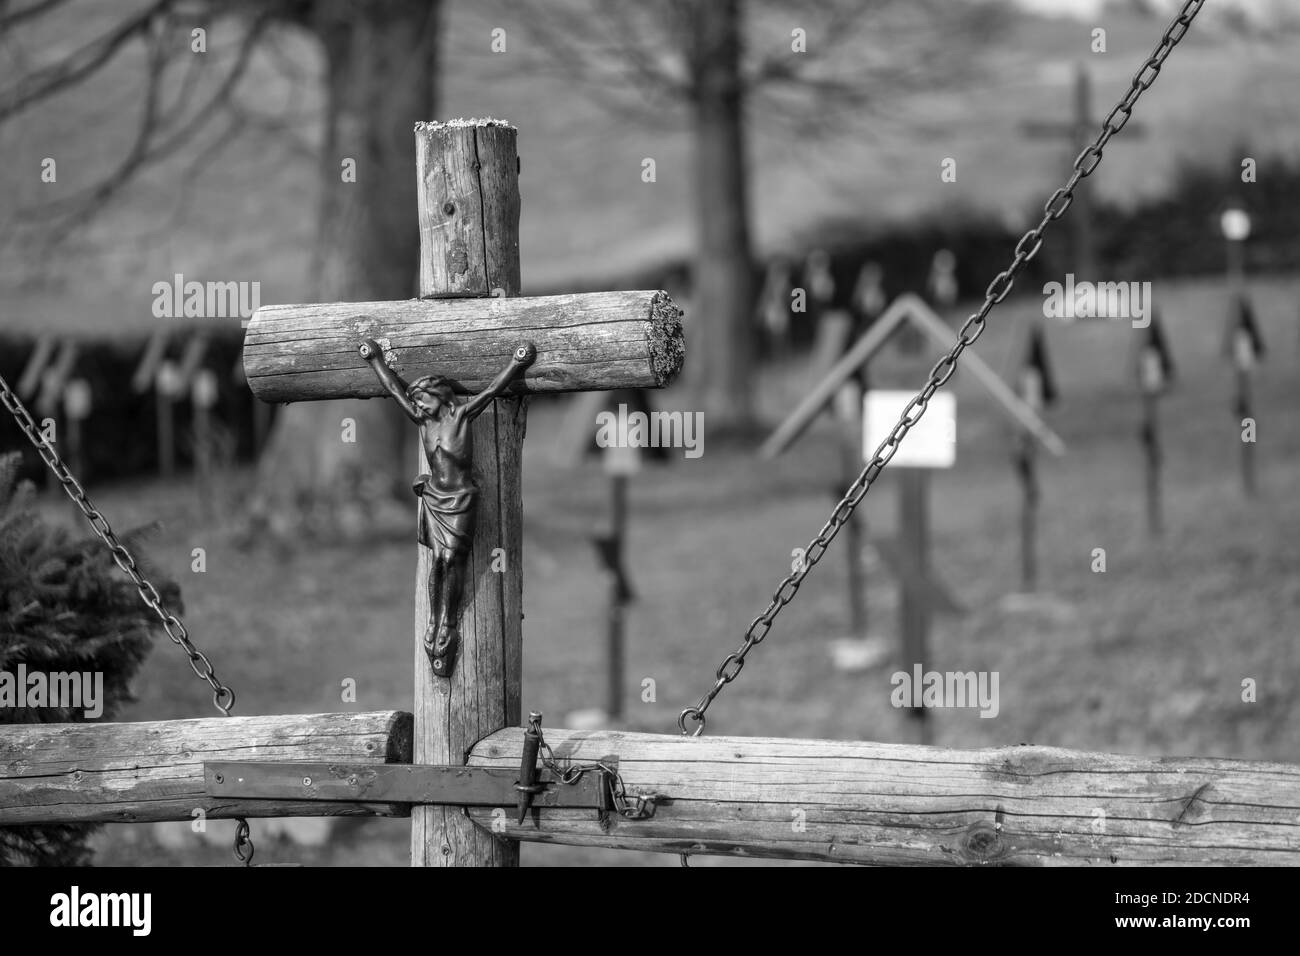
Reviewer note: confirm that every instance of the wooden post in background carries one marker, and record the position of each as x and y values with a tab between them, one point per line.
167	386
620	460
51	397
203	396
1247	348
1155	373
1037	388
851	455
1245	409
77	400
1026	457
914	597
834	338
1154	367
617	598
1151	450
469	246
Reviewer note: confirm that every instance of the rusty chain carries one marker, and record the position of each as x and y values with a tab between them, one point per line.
997	290
223	698
634	806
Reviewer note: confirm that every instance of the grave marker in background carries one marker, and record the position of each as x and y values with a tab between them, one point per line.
1246	347
1036	385
1155	370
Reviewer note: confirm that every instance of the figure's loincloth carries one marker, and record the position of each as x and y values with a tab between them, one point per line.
446	516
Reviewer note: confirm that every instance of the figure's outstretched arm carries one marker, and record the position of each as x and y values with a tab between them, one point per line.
392	382
523	357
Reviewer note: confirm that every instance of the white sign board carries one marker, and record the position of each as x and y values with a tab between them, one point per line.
621	459
931	442
1243	348
1152	371
622	456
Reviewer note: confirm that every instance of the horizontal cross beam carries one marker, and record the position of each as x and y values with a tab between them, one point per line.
601	340
136	772
899	804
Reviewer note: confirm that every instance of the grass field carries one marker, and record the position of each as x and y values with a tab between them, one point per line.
1145	658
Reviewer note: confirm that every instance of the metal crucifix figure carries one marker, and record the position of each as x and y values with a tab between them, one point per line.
449	496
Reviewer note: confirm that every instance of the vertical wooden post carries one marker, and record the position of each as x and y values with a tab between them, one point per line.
1151	446
261	426
1085	251
166	385
915	592
1027	470
469	246
851	456
1244	410
76	408
617	599
203	396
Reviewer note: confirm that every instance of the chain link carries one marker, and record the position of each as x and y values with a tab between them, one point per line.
1026	248
223	698
244	848
635	806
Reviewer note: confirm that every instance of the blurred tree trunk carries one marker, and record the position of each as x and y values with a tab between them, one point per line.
380	61
723	280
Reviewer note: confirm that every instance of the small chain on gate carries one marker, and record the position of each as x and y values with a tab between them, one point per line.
1084	164
631	806
223	698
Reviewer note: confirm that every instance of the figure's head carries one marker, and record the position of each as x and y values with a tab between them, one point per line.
430	393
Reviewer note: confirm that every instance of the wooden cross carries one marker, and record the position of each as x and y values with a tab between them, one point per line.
1037	389
464	327
457	762
1155	372
1076	131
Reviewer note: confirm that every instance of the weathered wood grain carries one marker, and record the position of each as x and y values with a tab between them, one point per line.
134	772
476	166
601	340
900	804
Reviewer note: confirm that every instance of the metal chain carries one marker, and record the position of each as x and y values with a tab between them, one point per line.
997	290
223	698
243	848
636	806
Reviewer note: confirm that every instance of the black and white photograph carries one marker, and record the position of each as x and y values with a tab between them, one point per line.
847	434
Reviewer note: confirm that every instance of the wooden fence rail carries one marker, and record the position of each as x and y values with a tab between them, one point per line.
731	796
899	804
135	772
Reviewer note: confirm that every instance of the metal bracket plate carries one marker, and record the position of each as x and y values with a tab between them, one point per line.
397	783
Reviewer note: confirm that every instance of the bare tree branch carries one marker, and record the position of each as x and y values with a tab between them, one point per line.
864	56
154	141
10	20
609	50
78	65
